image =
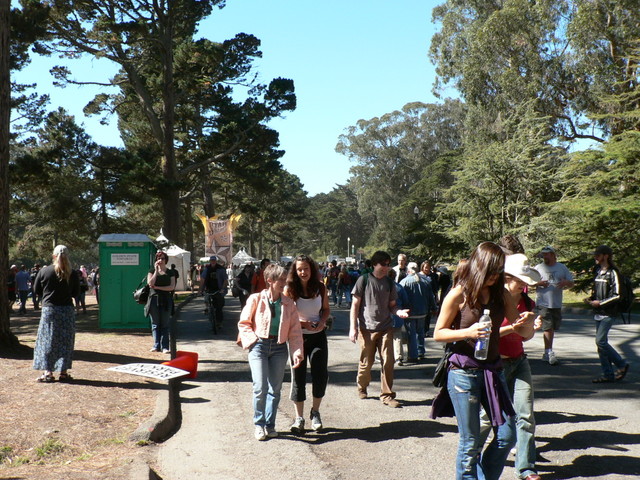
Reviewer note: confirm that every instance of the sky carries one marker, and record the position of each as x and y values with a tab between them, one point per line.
349	60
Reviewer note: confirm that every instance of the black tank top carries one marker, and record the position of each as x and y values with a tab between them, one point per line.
467	317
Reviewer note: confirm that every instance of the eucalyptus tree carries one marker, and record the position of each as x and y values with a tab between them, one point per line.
148	40
568	56
392	153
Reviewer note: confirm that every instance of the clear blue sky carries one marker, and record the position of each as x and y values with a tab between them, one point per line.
349	59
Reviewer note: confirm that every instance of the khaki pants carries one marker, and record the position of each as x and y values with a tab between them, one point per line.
370	343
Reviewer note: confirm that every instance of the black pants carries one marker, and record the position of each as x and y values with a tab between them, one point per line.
316	354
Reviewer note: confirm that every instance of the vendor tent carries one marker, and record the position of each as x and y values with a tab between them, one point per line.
182	260
242	258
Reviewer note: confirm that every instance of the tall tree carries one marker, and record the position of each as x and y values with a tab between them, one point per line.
6	337
391	153
148	41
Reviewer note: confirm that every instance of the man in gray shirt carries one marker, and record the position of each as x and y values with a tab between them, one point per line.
555	278
374	301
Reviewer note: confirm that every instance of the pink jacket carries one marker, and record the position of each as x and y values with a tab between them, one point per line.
251	327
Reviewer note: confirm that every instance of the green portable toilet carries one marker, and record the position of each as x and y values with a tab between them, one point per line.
125	259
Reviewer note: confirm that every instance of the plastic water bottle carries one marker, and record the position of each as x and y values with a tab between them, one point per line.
482	344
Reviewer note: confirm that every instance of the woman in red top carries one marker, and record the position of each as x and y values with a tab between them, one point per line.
517	275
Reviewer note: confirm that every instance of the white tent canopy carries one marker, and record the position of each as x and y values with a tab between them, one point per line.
242	258
182	260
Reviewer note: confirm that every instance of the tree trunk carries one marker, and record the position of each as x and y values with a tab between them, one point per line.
6	337
171	198
188	227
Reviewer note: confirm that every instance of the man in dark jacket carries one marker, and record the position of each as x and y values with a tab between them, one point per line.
604	300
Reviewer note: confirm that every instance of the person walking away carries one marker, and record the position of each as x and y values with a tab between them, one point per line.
422	304
57	286
32	279
267	323
159	306
402	302
305	288
213	281
373	302
11	286
345	285
517	371
23	286
474	383
555	278
84	286
604	299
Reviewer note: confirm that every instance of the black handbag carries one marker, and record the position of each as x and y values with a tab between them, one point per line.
141	294
442	369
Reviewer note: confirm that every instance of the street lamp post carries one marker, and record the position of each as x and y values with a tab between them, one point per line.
416	211
348	245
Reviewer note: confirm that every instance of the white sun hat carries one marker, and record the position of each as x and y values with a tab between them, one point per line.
518	266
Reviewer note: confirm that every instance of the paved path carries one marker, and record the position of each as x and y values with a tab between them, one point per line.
584	430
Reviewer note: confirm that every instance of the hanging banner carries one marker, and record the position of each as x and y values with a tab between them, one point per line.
219	236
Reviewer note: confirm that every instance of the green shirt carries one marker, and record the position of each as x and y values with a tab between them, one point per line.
276	316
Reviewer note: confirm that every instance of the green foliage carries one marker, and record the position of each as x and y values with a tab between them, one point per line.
601	205
391	154
50	447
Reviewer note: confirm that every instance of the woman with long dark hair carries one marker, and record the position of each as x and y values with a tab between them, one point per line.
160	304
472	383
310	296
57	285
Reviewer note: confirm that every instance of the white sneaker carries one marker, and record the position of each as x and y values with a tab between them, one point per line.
553	360
316	421
271	432
259	433
298	426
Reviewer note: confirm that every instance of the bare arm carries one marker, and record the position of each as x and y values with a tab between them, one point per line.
353	318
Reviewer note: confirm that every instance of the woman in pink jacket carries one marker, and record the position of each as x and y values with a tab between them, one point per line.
268	321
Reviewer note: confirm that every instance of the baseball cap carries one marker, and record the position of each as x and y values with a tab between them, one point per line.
547	249
603	250
213	257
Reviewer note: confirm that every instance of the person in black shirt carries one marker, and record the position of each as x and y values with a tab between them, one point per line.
57	285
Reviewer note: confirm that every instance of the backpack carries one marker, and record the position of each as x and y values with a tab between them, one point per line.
627	298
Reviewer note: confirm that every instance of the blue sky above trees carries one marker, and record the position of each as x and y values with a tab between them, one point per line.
349	61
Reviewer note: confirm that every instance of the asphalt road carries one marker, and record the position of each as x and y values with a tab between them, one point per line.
585	431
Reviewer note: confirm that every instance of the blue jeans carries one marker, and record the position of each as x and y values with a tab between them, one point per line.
606	352
415	336
160	321
267	359
517	373
465	389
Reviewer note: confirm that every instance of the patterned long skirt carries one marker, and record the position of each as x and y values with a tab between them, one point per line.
56	337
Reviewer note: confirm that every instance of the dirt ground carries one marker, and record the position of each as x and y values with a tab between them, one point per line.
78	430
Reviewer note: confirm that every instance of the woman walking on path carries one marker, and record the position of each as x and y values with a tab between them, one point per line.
160	303
517	371
473	383
310	295
268	321
57	285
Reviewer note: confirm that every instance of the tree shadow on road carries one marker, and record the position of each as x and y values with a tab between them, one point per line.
374	434
593	466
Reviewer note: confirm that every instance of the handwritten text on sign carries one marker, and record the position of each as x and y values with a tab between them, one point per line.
152	370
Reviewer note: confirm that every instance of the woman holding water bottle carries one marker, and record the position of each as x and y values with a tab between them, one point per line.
474	383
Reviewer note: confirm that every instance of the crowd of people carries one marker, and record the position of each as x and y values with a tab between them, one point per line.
285	310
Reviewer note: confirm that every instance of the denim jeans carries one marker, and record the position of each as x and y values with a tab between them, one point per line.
606	352
160	322
415	333
465	389
267	359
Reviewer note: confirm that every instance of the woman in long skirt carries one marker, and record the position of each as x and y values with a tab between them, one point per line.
57	285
